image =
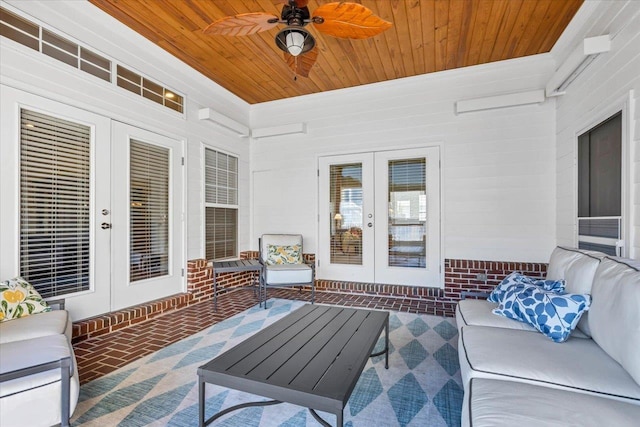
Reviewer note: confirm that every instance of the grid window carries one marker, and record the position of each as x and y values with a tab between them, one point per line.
221	205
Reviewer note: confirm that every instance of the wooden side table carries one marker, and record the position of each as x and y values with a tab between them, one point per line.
232	267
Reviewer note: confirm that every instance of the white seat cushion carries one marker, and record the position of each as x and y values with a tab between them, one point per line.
35	399
576	365
506	403
287	274
36	325
478	312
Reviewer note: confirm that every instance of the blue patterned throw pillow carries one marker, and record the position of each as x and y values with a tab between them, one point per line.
517	278
553	314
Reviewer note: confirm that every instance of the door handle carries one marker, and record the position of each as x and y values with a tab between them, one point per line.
105	225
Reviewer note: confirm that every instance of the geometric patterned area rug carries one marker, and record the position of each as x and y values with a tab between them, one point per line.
422	386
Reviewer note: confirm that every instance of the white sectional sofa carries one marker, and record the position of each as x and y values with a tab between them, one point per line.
514	375
37	363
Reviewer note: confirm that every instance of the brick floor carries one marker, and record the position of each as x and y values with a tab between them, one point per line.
103	354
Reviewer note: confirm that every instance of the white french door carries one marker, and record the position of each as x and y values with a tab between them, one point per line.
147	216
92	209
380	217
54	182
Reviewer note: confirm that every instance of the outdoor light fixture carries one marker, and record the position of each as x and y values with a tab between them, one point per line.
295	40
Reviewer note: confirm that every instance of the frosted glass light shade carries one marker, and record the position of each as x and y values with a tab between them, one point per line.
295	42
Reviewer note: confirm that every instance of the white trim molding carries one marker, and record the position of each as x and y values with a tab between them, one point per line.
500	101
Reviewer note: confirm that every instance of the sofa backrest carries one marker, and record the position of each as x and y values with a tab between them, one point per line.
614	317
577	267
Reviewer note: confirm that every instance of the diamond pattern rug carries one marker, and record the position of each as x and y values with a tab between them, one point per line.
422	386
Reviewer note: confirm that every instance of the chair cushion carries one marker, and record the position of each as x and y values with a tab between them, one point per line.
35	399
576	365
506	403
26	353
288	274
38	325
577	267
615	312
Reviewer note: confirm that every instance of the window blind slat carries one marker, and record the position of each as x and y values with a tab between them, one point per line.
221	188
149	210
54	204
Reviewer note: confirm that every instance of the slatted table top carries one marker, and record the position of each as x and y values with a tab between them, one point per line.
313	357
236	266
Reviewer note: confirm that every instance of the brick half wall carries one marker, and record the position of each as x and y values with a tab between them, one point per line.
460	276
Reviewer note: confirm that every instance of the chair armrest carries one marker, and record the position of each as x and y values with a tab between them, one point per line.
56	304
465	294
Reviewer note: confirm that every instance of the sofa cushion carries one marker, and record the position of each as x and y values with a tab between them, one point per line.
615	316
517	278
39	325
284	274
507	403
18	298
577	267
41	391
577	364
478	312
553	314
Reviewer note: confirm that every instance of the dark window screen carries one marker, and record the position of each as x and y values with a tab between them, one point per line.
600	170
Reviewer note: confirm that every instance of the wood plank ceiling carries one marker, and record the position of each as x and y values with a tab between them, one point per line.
426	36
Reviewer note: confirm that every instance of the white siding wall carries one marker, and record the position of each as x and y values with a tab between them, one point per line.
498	186
600	91
79	20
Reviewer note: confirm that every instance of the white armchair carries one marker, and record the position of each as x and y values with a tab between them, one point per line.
283	264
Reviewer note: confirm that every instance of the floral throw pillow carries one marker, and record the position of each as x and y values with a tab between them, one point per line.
553	314
517	278
18	298
285	254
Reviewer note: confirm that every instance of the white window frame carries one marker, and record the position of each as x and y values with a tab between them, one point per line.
620	105
205	204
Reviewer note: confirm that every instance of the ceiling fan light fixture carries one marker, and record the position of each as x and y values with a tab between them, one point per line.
295	40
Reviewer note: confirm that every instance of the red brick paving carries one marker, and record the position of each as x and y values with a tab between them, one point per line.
100	355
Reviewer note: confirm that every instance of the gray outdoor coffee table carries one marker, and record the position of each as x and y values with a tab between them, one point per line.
313	357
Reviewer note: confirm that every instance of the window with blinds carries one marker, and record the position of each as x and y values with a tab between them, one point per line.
345	197
149	211
221	205
407	212
55	170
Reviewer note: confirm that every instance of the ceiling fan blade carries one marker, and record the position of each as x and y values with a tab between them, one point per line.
301	64
243	24
299	3
349	20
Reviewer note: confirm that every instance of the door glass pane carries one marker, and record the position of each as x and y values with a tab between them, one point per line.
149	211
55	171
407	213
345	201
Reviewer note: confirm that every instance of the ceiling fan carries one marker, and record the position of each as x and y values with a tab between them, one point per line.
339	19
